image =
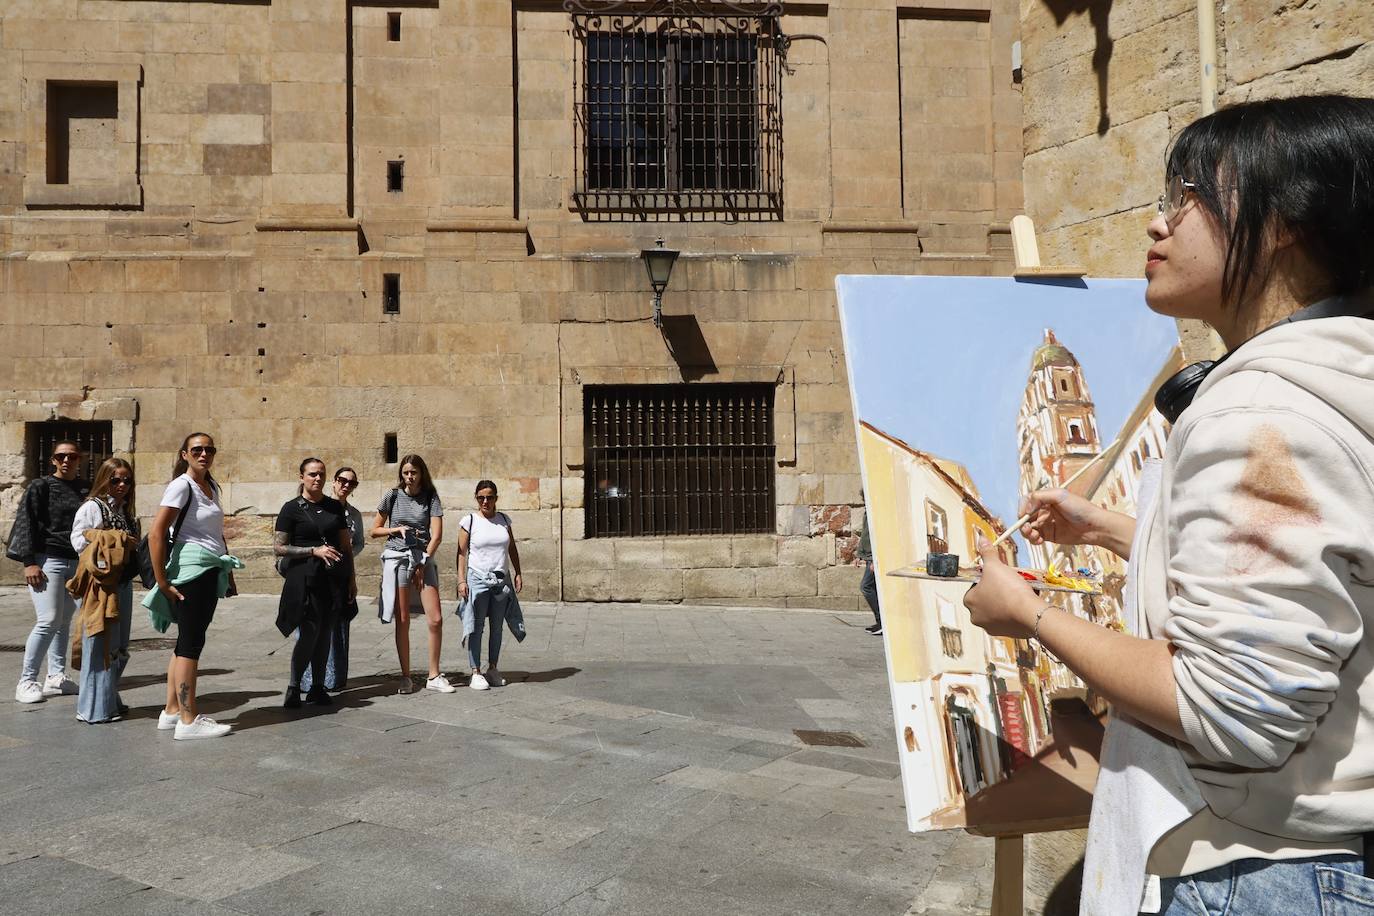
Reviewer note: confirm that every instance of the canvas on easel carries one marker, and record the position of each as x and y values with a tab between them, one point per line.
967	393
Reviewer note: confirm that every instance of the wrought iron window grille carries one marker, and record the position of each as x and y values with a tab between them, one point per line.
678	459
678	109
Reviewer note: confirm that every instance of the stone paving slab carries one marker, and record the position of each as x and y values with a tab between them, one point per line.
641	760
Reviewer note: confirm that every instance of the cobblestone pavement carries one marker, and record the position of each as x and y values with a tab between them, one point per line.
641	760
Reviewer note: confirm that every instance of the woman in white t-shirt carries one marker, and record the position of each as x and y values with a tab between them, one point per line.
191	578
486	549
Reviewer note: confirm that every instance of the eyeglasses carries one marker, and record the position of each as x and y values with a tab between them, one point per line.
346	481
203	450
121	481
486	499
1176	191
66	456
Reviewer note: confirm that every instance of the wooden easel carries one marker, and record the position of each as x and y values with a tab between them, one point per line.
1009	851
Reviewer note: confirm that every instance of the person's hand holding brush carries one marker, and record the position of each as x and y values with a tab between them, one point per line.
1059	517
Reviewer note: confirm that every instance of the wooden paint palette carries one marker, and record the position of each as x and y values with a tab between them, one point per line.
973	574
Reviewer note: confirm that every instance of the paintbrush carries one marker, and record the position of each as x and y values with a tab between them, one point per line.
1014	526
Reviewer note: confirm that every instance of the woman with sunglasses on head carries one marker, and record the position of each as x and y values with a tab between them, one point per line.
192	577
105	639
411	518
41	541
312	537
1238	768
336	666
486	557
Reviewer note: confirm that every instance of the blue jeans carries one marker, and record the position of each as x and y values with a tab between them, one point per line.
53	606
99	697
487	604
1321	886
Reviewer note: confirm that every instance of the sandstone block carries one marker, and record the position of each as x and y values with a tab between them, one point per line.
696	552
718	583
754	550
801	551
785	581
838	581
237	159
645	585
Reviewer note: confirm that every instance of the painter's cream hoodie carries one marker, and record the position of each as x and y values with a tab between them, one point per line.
1267	549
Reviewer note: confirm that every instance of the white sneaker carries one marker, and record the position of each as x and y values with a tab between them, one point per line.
28	692
479	683
202	727
166	721
439	683
59	685
494	678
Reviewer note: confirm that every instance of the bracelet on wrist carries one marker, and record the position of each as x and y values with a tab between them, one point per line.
1035	634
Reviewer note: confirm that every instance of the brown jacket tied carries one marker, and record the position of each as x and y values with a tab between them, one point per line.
99	572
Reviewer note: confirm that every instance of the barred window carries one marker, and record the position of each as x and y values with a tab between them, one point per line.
678	111
678	459
93	437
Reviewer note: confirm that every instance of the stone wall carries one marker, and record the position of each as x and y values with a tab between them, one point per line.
1107	84
235	285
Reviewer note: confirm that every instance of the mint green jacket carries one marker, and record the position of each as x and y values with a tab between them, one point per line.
188	562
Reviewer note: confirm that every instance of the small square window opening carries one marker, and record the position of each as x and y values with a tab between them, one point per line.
391	294
393	26
395	175
391	453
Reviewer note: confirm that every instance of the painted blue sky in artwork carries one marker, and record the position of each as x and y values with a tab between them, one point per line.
942	362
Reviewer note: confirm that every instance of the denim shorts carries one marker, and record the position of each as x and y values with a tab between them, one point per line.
1321	886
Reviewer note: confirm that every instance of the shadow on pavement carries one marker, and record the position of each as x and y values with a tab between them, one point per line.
133	682
539	677
358	694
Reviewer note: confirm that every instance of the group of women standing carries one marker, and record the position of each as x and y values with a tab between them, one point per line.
79	550
61	526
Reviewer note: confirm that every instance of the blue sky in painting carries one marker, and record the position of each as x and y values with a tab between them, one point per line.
942	362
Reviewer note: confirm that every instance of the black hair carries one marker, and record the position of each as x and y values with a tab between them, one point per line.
348	469
486	485
1303	165
61	442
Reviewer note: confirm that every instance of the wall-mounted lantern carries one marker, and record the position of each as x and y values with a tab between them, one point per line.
658	261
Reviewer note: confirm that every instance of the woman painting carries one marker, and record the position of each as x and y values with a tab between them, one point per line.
1238	768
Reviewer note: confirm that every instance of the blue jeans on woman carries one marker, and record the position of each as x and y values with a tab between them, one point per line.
1322	886
53	605
99	697
489	602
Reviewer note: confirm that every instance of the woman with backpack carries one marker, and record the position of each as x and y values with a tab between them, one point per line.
194	570
486	556
109	510
411	518
41	541
315	551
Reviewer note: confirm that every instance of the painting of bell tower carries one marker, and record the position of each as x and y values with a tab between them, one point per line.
1056	427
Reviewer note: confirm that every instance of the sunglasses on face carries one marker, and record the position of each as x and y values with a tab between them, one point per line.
120	481
203	450
67	456
345	481
486	499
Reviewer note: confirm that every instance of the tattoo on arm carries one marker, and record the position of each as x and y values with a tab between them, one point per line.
282	549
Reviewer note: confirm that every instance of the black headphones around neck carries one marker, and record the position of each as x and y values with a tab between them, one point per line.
1174	396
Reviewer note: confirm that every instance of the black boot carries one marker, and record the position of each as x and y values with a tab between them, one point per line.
319	696
293	698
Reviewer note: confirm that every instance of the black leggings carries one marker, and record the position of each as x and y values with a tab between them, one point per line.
312	646
195	612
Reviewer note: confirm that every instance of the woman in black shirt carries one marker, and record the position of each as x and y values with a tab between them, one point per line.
313	539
